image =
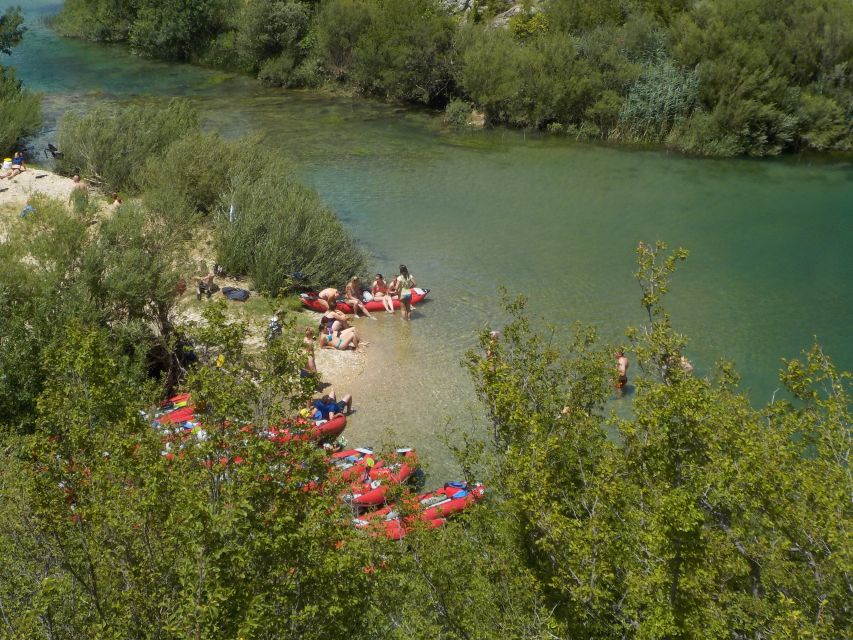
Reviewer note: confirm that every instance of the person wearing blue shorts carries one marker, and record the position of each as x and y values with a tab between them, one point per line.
328	406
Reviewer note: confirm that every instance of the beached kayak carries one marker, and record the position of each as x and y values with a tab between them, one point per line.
431	508
305	430
371	486
310	300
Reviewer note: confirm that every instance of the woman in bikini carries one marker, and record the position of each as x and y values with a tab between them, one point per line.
333	320
343	340
380	291
404	283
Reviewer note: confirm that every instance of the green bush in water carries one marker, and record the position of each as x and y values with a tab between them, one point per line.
457	112
270	226
111	146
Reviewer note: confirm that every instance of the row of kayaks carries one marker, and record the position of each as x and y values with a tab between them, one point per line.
376	485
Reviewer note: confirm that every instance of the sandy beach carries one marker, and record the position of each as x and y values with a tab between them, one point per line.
17	190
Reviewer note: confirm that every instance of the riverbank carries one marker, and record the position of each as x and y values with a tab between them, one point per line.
338	369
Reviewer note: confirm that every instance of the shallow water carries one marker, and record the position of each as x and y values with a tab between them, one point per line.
770	240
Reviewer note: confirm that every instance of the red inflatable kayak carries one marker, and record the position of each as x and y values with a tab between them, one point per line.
432	508
371	486
310	300
301	429
350	462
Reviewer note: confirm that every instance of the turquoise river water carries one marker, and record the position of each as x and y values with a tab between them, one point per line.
770	240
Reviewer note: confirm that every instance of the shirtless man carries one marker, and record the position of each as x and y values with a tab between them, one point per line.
205	285
621	370
327	295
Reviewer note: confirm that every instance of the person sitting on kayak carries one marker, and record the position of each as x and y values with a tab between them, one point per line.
404	283
380	291
328	295
353	296
343	340
328	406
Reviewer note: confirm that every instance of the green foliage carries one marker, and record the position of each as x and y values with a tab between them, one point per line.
11	29
110	146
103	535
404	51
120	276
714	78
20	110
188	177
662	97
696	525
280	227
341	24
457	113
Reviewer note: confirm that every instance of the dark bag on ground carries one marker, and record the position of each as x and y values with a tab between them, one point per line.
233	293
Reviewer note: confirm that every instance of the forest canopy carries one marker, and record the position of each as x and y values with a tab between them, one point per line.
719	77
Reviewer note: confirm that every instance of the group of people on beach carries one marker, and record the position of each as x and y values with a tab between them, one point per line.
335	331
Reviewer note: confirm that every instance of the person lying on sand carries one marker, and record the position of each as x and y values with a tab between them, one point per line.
328	406
17	166
343	340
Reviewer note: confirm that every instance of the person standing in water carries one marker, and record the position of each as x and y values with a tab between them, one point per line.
404	284
622	365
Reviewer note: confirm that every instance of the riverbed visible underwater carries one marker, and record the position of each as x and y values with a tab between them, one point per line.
771	241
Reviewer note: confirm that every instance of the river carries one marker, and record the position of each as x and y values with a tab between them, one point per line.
557	220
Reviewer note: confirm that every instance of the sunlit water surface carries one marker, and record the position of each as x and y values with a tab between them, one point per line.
770	241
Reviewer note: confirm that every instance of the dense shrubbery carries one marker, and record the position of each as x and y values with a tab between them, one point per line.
707	520
20	110
721	78
268	225
271	226
111	146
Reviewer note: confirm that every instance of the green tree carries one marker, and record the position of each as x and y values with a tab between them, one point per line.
110	146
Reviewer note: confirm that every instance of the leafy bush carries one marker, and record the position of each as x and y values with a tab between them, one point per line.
20	110
268	29
457	112
188	177
404	52
279	227
111	146
278	71
340	25
663	96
